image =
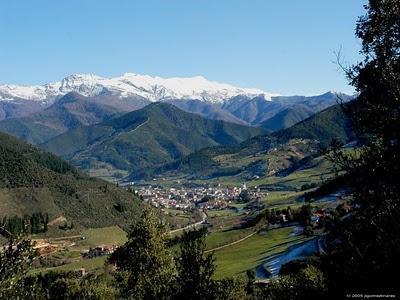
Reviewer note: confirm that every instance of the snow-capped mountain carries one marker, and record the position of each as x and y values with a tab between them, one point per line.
130	85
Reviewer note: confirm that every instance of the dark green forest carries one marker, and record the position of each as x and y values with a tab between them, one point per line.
35	181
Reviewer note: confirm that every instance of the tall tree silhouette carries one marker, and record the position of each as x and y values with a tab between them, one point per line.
195	267
146	259
370	238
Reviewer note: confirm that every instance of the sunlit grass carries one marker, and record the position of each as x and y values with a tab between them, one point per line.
237	259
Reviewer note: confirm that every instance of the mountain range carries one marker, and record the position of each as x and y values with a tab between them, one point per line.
155	134
261	155
68	112
135	123
38	113
129	85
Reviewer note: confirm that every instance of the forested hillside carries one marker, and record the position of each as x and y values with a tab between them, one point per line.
156	134
250	158
71	111
34	181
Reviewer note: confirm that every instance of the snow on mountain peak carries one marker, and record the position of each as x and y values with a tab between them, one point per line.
131	85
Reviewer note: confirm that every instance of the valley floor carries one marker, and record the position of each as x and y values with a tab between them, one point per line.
236	250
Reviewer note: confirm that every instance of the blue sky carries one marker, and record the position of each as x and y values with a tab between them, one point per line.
283	46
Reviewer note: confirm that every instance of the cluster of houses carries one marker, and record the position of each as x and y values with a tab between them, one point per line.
100	250
188	198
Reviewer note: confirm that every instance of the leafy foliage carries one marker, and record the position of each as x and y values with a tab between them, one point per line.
66	285
369	249
195	268
309	282
146	259
147	269
15	259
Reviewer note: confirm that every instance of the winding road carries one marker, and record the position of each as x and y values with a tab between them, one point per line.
193	225
232	243
137	127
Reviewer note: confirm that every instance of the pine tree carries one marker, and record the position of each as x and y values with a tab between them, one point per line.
195	267
147	259
46	221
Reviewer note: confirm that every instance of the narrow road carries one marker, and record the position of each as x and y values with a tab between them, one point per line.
233	243
193	225
112	135
140	125
65	238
